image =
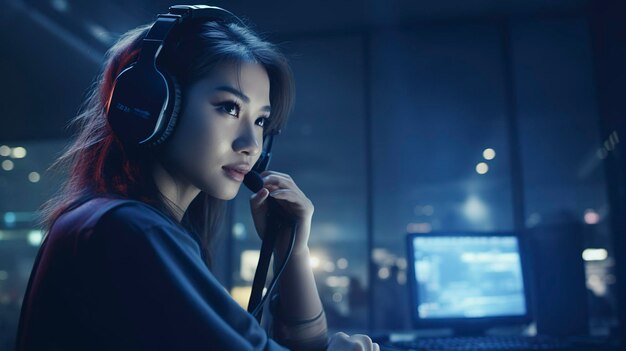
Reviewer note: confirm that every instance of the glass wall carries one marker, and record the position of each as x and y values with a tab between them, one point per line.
562	151
25	184
440	146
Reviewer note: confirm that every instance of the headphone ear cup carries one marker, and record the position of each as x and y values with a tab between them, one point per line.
139	95
176	98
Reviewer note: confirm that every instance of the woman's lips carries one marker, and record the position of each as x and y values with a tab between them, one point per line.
233	174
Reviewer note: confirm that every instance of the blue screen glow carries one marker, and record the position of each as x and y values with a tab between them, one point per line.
468	277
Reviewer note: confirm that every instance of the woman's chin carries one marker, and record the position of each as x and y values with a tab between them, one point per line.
227	193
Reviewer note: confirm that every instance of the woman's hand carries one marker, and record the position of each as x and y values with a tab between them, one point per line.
342	341
282	188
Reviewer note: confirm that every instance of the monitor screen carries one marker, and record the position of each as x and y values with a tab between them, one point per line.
467	277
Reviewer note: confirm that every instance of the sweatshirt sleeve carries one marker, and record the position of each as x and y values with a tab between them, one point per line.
153	287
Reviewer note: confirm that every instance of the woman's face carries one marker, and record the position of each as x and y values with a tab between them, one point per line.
222	123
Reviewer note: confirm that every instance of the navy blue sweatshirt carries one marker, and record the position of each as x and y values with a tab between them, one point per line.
116	274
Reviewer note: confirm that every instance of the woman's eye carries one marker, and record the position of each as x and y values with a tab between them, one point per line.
265	120
231	107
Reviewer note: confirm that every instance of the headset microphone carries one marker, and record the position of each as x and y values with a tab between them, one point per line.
276	218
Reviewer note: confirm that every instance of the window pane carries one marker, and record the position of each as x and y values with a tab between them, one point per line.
438	104
24	185
564	180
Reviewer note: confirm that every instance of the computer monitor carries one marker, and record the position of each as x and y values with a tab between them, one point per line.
468	281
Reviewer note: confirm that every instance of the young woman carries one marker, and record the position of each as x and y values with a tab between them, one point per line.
137	275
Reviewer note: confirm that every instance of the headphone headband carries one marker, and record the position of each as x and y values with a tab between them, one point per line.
160	32
204	11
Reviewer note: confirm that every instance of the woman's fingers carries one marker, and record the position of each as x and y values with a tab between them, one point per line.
284	194
340	342
257	200
364	341
258	197
285	175
278	181
343	342
282	187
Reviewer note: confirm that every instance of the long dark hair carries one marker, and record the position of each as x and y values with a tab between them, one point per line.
98	164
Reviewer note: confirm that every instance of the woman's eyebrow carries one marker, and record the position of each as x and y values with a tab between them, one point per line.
241	95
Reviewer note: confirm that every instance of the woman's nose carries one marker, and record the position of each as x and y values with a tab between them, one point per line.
249	141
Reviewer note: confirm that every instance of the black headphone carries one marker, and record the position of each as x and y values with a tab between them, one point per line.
146	99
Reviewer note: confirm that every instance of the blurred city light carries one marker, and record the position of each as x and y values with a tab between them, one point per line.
239	231
334	281
249	261
7	165
419	228
489	154
9	218
342	263
60	5
595	254
474	209
33	177
591	216
314	261
35	237
482	168
18	152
